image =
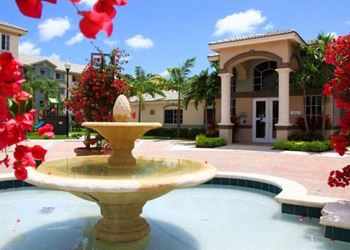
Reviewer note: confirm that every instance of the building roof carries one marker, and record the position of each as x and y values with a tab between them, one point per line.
60	65
169	96
20	31
257	36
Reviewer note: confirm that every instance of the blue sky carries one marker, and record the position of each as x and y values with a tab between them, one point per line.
163	33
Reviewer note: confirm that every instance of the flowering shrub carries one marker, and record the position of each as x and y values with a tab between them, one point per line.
94	96
100	18
17	117
338	55
314	123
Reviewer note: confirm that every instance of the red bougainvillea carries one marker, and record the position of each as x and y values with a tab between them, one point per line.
338	55
94	96
16	117
100	18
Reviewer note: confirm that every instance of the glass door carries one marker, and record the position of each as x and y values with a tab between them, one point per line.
259	120
265	118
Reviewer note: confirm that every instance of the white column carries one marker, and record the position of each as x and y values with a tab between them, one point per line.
225	99
283	96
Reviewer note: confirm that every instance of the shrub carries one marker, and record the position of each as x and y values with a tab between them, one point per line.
308	146
314	124
209	142
302	136
186	133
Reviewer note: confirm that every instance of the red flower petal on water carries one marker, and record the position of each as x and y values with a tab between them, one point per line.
31	8
38	152
21	173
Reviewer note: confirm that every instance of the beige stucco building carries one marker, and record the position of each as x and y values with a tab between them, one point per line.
10	35
255	88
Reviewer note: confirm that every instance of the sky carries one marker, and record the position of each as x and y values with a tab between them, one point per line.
158	34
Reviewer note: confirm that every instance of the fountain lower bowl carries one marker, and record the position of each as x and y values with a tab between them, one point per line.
120	195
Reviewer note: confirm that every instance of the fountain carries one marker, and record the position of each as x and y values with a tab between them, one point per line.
120	184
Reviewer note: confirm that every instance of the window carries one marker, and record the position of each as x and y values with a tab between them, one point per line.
44	72
233	80
62	91
152	112
233	107
5	42
265	76
313	107
233	90
59	76
170	116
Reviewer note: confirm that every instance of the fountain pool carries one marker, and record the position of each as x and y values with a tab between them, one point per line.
207	217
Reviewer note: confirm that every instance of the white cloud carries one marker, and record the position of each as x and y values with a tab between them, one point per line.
75	39
89	3
28	48
164	74
269	26
55	56
333	33
110	43
53	27
239	23
139	42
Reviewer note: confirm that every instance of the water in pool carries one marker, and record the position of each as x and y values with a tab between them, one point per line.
205	217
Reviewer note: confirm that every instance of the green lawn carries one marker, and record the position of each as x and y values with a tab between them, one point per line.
35	136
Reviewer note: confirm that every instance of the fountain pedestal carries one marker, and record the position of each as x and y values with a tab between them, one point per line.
121	223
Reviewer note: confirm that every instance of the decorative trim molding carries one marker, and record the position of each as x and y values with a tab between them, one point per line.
263	54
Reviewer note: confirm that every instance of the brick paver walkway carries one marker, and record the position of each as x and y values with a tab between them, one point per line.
309	170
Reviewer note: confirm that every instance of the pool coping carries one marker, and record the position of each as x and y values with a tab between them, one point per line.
292	196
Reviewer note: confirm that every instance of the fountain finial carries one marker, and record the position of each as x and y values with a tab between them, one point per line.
121	109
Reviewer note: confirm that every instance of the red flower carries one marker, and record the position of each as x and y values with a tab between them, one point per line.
93	22
38	152
121	2
5	161
21	173
46	130
32	8
105	6
134	115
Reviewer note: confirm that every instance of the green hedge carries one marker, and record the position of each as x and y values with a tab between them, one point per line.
302	136
185	133
312	146
209	142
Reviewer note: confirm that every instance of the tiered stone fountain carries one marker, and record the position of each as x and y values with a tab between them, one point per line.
120	184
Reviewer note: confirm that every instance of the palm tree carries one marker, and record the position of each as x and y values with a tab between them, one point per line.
202	88
178	81
314	72
47	86
142	84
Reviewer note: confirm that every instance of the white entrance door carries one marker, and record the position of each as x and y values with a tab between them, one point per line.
265	117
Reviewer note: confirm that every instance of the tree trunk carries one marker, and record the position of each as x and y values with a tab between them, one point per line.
178	115
323	115
214	112
307	129
140	107
205	115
